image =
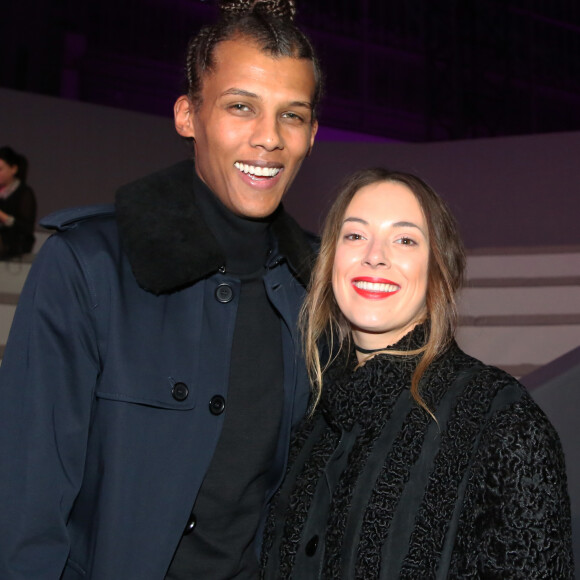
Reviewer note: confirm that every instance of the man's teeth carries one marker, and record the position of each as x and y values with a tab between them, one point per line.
375	286
257	171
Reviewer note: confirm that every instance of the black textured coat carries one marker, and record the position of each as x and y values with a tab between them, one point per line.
377	489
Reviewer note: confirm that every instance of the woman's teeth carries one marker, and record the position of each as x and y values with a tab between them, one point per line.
375	286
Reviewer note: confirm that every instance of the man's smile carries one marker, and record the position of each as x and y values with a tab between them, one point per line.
256	170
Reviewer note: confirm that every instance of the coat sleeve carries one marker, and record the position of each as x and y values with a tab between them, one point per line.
516	520
47	380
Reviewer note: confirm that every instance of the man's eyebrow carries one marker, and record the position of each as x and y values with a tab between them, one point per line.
240	93
249	95
305	104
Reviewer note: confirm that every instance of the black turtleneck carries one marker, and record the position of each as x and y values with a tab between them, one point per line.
245	241
230	501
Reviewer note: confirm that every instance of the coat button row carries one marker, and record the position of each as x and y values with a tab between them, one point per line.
191	522
224	293
217	405
180	392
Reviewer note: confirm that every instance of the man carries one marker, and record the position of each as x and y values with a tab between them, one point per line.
154	373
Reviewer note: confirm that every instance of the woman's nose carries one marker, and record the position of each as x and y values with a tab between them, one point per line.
376	255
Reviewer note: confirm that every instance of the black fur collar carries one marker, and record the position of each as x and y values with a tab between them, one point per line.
170	247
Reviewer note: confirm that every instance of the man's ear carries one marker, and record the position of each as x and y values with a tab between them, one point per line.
182	115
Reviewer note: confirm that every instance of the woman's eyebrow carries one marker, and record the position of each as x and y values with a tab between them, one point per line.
355	219
401	224
406	225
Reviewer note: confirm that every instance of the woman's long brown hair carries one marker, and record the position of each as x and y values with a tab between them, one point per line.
321	319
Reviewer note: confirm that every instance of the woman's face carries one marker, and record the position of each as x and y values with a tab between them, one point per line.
7	173
379	276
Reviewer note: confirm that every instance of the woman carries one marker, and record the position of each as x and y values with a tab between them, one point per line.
17	205
418	460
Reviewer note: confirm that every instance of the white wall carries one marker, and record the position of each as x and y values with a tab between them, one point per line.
514	191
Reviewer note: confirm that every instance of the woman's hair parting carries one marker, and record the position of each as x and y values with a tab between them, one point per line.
267	23
322	320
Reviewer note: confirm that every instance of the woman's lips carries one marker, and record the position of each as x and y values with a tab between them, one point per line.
374	288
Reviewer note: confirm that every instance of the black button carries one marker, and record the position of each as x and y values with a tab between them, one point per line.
180	392
217	405
311	546
224	293
191	522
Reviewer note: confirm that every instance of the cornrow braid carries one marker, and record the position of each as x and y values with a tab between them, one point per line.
284	9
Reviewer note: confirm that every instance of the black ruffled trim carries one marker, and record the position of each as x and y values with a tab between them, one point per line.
362	395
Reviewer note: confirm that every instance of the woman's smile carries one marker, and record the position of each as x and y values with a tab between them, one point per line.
374	288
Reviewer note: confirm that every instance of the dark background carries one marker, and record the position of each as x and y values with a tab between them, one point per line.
412	70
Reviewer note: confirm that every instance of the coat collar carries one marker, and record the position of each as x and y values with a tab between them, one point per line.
167	242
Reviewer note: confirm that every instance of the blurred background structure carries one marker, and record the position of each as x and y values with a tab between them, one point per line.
415	71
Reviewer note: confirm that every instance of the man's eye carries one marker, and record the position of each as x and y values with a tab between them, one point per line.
293	116
239	107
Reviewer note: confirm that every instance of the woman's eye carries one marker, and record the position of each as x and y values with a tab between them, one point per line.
405	241
353	237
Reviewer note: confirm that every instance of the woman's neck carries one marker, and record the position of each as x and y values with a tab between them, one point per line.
367	345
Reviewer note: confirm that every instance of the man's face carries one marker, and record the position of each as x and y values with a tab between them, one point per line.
253	127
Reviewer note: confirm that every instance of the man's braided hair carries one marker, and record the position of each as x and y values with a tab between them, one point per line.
267	23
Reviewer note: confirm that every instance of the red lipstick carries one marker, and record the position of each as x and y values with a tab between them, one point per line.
374	288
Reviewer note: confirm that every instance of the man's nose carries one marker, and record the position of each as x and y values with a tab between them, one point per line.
267	133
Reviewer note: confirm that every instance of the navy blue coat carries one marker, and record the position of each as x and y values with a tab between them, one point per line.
101	456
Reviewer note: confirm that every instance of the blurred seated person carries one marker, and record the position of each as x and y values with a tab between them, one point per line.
17	205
